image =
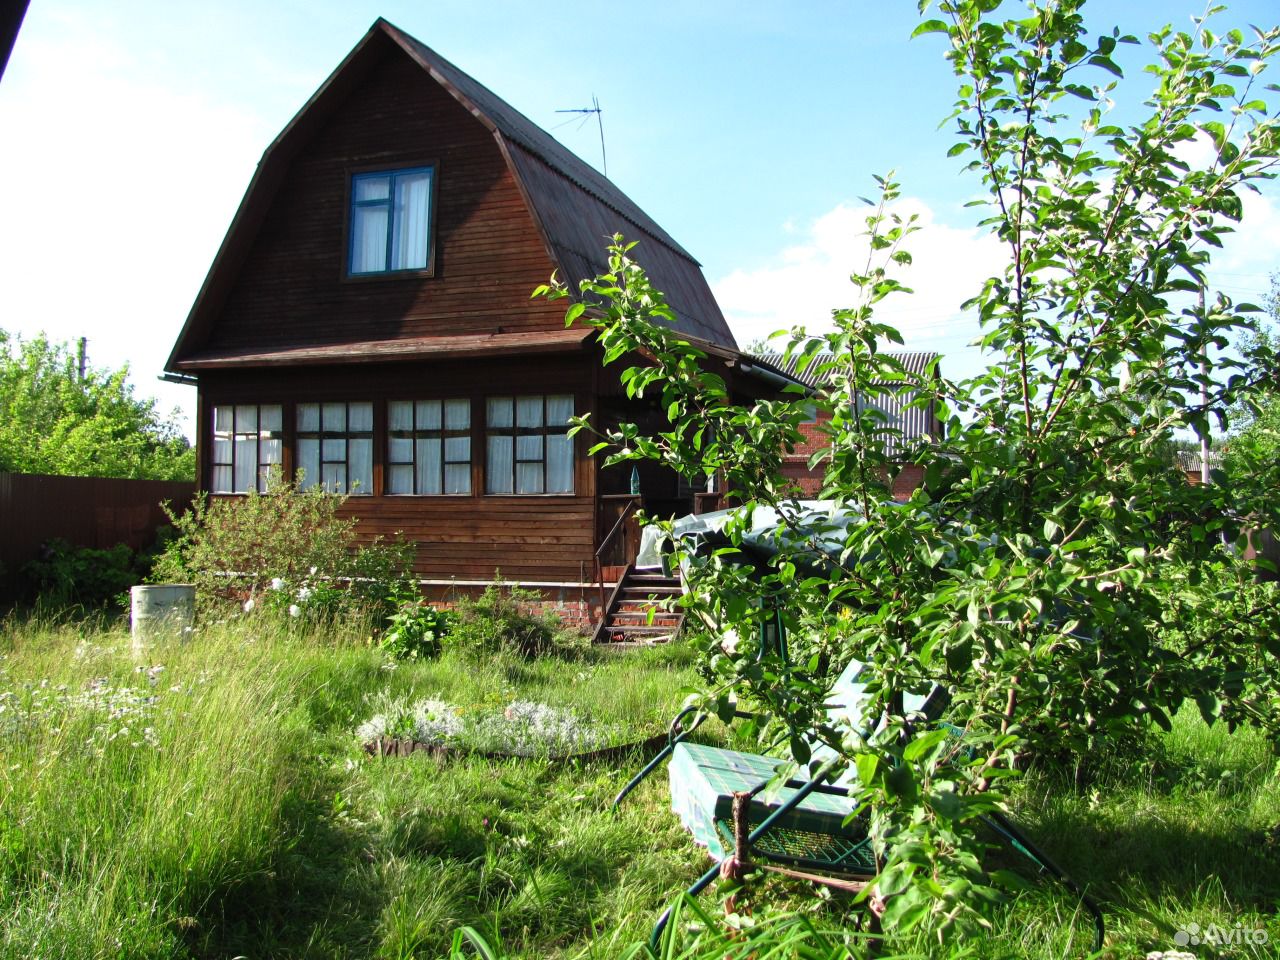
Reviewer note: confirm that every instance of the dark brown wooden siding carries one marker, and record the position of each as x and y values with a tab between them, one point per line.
292	289
527	538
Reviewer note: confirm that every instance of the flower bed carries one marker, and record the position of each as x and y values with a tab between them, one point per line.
521	728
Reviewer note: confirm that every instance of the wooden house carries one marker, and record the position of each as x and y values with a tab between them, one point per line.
368	321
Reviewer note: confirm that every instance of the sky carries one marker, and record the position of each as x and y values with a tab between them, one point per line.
748	129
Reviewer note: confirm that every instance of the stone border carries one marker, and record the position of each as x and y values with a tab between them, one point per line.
391	747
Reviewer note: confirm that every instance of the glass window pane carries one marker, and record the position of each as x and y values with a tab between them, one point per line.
411	236
457	478
457	449
246	463
529	448
335	418
309	462
246	419
429	466
361	418
499	411
334	476
271	417
360	475
309	417
372	187
222	419
400	479
498	473
559	410
269	452
529	412
559	464
400	415
528	478
428	414
457	414
222	450
222	480
369	239
400	450
334	450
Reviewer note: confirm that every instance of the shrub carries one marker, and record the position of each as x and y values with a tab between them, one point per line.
415	631
64	575
499	622
285	549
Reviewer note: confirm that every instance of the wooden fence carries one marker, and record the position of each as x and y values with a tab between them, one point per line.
84	511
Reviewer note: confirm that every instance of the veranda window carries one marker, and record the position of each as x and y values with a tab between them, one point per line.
246	444
429	447
528	447
335	447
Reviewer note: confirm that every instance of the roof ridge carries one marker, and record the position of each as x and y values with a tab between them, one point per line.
531	138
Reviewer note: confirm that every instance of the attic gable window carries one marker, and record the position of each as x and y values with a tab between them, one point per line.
391	222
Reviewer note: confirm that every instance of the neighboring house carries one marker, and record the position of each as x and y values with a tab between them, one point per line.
368	320
1190	463
914	423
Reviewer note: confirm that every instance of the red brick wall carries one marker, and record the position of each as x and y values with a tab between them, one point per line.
795	465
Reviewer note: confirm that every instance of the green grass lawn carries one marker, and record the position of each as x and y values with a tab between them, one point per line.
222	806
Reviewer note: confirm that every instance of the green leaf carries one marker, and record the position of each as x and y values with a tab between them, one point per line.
930	26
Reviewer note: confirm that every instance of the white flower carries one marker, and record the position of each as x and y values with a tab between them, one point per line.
248	605
277	583
304	594
313	571
295	610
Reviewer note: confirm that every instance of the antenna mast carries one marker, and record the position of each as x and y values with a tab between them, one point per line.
585	111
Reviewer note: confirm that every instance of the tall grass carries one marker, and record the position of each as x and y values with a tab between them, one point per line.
237	815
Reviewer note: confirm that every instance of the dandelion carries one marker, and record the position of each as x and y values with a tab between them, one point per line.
304	594
295	610
277	583
248	605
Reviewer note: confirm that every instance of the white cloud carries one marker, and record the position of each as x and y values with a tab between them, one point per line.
808	278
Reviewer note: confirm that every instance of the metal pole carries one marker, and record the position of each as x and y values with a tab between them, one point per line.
1204	399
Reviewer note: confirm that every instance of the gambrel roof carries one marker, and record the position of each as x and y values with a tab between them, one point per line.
574	206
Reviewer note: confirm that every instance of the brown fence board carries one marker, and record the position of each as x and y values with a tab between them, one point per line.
84	511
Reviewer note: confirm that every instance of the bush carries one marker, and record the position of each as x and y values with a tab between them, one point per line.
415	632
64	575
499	622
285	550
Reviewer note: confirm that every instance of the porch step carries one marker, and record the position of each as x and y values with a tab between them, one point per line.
640	612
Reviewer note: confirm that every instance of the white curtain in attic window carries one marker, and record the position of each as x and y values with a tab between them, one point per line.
369	239
411	234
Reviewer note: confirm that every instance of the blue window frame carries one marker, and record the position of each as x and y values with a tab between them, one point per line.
391	222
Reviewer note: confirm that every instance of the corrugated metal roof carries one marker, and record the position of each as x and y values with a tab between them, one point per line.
914	423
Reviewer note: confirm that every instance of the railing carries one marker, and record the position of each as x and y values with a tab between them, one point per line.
619	525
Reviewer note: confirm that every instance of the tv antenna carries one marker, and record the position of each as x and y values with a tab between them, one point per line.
587	111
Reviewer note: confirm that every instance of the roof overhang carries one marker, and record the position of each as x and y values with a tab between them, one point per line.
394	351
